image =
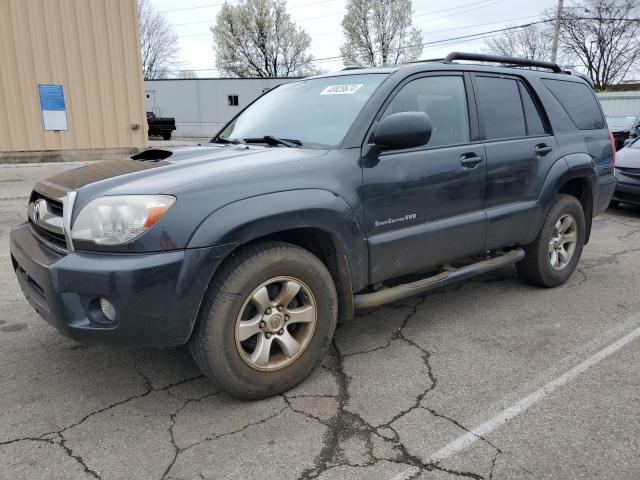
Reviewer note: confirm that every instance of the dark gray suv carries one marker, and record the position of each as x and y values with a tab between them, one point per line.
324	196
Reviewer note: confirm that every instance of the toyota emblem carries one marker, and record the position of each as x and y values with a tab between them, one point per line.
38	210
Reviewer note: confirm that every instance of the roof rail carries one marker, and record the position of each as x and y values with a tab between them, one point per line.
428	60
581	75
352	67
512	61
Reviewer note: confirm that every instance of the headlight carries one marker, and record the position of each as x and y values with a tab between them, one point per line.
119	219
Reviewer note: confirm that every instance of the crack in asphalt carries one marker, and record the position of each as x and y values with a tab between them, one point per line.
606	258
178	451
59	434
346	424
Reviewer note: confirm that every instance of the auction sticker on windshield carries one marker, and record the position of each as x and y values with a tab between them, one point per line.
349	89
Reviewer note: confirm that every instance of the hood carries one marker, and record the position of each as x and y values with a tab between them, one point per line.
628	158
159	171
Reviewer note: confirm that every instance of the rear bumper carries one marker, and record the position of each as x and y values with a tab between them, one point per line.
156	296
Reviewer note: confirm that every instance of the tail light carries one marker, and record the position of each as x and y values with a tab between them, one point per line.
613	148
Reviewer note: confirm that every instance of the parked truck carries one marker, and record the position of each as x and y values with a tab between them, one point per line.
160	126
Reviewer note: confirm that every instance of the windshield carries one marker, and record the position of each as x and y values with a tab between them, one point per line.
317	112
620	121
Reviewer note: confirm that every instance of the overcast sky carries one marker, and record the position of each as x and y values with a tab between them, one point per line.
321	20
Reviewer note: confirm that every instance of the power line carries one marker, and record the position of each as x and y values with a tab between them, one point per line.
474	36
342	12
219	4
486	2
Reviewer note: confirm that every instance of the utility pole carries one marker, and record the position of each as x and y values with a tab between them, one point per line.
556	33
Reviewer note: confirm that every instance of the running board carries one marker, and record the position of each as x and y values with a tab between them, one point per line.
375	299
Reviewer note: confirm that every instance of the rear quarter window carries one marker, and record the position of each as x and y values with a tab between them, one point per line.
579	102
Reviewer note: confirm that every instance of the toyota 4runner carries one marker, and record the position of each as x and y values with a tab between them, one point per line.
324	196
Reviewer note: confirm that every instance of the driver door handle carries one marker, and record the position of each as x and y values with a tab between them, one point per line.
470	160
542	149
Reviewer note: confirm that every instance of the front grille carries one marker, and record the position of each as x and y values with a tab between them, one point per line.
47	231
55	238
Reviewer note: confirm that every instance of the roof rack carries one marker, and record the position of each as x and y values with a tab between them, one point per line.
511	61
428	60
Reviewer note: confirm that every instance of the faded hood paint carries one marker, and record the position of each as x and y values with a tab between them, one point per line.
184	166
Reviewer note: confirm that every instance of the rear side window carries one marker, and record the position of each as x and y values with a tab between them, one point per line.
500	108
444	100
535	126
578	101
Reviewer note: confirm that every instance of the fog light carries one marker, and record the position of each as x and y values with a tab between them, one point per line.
107	309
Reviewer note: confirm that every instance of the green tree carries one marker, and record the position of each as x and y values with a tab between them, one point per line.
257	38
379	32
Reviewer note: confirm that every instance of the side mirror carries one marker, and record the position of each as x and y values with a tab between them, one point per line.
403	130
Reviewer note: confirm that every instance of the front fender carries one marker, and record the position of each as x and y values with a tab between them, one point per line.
246	220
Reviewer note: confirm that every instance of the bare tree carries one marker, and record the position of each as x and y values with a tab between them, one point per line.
379	32
256	38
603	36
158	42
532	42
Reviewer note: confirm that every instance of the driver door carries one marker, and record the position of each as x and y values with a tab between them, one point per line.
425	206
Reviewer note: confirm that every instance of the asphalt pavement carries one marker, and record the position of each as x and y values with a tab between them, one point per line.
490	379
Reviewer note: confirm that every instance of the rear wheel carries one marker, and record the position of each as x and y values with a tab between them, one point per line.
268	317
614	204
166	135
553	256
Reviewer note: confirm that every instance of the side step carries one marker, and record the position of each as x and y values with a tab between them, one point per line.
375	299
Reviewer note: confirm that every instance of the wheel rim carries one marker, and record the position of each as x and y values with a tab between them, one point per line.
562	245
276	323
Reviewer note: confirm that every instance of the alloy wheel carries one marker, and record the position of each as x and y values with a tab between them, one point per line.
563	241
276	323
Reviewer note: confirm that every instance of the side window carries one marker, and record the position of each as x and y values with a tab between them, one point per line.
500	108
444	99
535	126
578	101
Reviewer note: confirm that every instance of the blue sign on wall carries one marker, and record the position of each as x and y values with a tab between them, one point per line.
54	114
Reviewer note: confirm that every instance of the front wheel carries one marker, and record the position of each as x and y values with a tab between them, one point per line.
267	318
553	256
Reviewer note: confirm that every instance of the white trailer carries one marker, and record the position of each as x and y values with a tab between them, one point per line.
201	106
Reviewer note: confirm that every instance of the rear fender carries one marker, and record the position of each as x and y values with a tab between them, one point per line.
578	165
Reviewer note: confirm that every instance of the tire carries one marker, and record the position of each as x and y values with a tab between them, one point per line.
614	204
166	135
215	344
536	268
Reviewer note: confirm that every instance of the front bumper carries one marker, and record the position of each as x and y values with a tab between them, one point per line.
156	296
628	189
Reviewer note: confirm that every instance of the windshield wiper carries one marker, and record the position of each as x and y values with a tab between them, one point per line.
225	140
271	140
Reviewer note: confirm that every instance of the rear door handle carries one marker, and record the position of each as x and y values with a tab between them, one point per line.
470	160
542	149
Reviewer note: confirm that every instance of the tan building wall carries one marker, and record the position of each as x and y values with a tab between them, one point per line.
92	48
